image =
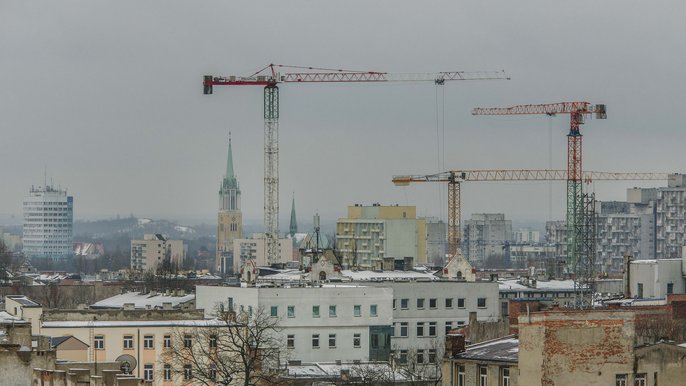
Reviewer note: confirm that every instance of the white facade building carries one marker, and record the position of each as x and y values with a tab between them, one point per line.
485	235
48	223
256	249
318	323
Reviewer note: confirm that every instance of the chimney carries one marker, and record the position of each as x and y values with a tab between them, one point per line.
166	306
627	276
129	306
454	344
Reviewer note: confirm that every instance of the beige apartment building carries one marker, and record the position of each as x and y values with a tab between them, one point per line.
154	250
371	233
255	249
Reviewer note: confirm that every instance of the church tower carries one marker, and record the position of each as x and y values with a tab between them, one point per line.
229	218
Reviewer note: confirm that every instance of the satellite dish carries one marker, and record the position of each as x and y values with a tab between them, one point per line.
127	363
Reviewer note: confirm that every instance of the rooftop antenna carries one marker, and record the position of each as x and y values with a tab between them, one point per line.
45	177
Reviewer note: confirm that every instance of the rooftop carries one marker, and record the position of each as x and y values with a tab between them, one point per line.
7	318
23	300
514	284
133	323
330	370
504	349
142	301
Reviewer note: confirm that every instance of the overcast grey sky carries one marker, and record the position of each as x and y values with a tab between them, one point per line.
108	95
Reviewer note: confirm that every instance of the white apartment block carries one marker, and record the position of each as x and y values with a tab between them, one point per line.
48	223
256	249
319	323
423	311
372	233
526	236
484	237
155	249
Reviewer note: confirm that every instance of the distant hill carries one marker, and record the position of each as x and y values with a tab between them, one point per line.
135	228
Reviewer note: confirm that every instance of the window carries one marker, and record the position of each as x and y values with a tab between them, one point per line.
332	340
290	341
449	303
315	311
394	304
167	341
460	375
481	302
432	303
357	310
274	311
404	304
166	373
505	376
432	328
420	304
420	328
315	340
230	304
483	376
448	327
149	342
213	341
460	303
187	372
403	329
99	342
187	341
403	356
332	311
375	341
213	371
420	356
670	288
640	290
291	311
128	342
432	356
147	373
640	380
357	340
372	310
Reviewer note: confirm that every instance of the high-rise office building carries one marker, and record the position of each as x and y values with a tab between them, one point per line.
48	223
229	218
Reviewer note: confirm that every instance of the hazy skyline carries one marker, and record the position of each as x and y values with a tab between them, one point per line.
107	95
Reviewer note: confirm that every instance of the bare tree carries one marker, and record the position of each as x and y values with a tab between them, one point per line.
233	349
5	262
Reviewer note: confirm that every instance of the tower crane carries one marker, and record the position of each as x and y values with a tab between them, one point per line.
269	77
576	221
454	178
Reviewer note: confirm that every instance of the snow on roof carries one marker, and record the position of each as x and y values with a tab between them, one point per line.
7	318
388	275
501	349
133	323
514	284
140	300
333	370
23	300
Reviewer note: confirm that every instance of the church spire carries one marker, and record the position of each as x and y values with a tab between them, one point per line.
294	223
229	162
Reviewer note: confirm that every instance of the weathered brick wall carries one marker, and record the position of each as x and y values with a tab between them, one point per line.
575	347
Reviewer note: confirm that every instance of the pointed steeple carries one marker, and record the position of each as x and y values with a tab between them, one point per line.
294	223
229	163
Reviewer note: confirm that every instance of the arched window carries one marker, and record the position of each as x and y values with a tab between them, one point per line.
322	275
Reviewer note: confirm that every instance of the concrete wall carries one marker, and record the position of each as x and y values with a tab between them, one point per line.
666	360
471	371
655	275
